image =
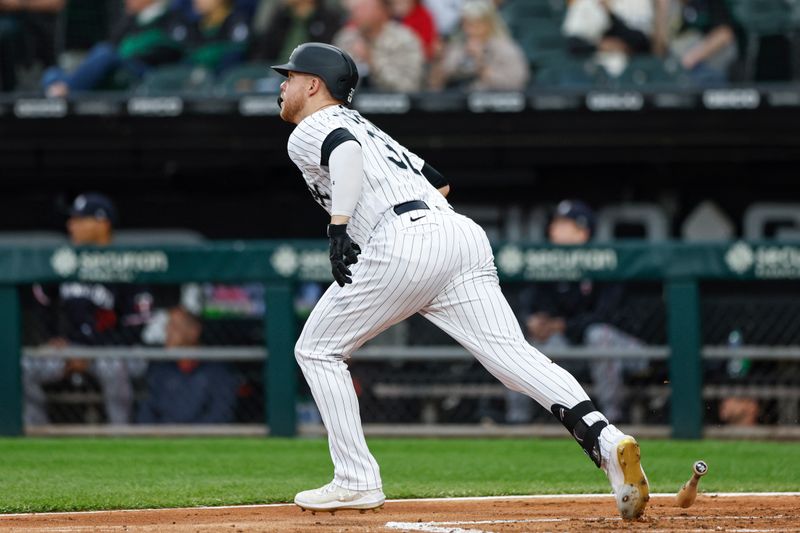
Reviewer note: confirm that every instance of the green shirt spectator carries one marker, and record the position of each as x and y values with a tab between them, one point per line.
150	35
155	36
219	38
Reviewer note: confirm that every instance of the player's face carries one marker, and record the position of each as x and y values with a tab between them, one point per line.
205	7
181	330
293	96
86	230
401	8
476	28
566	231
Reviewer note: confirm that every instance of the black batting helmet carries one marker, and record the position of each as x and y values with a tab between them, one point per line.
336	68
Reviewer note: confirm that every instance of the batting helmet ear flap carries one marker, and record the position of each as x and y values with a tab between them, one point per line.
347	86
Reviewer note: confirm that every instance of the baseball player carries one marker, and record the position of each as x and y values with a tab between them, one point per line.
398	248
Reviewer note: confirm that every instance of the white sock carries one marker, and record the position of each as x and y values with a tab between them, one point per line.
609	438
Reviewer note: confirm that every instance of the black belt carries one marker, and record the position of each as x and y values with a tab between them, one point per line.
405	207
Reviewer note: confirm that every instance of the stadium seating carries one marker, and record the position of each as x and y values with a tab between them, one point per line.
543	44
649	217
572	73
650	70
177	79
536	26
761	18
784	218
249	78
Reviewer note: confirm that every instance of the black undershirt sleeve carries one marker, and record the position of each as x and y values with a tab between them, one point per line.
334	139
434	176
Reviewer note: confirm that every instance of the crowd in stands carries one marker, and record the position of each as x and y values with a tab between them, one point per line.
398	45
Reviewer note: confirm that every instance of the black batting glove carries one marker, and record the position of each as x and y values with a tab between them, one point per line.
343	253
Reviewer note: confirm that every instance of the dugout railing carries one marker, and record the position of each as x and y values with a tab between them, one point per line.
680	267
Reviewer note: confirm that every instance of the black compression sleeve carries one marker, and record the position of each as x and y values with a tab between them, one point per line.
434	176
334	139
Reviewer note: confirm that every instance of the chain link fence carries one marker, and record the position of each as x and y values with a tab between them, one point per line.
751	361
415	374
123	354
752	365
412	375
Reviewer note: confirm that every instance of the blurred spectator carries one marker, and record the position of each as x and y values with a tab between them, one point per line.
414	15
389	55
27	35
187	391
149	35
446	15
617	26
88	314
246	8
579	313
483	56
700	33
739	411
294	22
218	39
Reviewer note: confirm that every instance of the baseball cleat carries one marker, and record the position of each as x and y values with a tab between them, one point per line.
331	498
630	485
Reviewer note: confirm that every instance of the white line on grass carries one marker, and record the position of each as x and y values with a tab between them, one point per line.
412	500
587	496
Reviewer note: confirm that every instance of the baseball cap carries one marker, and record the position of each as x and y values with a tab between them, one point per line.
95	205
578	211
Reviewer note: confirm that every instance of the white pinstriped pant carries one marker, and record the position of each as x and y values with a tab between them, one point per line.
441	266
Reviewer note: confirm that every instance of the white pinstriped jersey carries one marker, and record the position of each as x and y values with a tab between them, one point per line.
392	174
433	262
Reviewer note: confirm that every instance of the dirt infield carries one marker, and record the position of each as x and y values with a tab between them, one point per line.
741	513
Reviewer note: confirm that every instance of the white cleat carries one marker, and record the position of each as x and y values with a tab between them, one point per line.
630	485
333	498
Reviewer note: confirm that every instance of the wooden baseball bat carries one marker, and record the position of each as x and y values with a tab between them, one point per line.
686	496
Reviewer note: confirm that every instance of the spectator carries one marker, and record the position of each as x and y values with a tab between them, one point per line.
483	57
292	23
88	314
148	36
705	42
580	312
218	39
739	411
389	55
246	7
414	15
609	26
187	391
446	15
27	29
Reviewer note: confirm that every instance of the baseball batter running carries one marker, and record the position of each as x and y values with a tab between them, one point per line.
397	248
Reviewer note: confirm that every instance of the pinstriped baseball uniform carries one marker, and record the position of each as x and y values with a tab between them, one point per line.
431	261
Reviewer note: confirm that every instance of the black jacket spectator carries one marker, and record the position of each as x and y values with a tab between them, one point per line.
705	15
635	41
91	314
580	304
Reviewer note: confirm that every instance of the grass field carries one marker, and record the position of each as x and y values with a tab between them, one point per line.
81	474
